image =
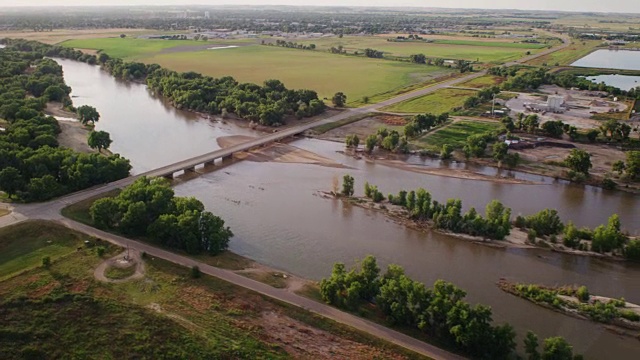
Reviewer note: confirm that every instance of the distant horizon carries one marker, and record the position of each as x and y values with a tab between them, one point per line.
621	7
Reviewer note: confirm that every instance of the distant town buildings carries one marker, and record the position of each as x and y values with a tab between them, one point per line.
207	15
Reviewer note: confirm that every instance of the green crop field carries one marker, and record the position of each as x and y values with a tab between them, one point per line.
444	100
455	134
298	69
483	51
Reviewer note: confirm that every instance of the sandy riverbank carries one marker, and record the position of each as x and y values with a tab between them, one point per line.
277	152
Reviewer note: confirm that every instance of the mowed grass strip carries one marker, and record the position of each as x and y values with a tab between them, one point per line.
517	45
441	101
577	49
23	246
455	134
298	69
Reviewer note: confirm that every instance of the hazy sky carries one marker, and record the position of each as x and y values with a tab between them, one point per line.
623	6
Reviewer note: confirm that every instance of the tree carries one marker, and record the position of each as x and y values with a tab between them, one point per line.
632	170
88	114
579	161
370	143
46	261
339	99
500	150
446	151
530	123
11	181
557	348
531	346
195	272
122	36
352	141
632	250
348	185
553	128
582	294
99	140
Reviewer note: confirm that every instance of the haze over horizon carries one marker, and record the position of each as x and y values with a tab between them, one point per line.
619	6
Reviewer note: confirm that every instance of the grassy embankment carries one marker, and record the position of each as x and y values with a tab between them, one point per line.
455	134
575	51
470	49
483	82
318	70
62	311
441	101
59	35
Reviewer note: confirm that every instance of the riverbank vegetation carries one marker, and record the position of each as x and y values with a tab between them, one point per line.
267	104
577	301
544	229
438	313
33	167
49	310
149	208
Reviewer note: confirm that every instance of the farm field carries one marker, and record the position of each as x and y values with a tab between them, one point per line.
471	50
441	101
60	35
134	49
48	312
577	50
455	134
297	69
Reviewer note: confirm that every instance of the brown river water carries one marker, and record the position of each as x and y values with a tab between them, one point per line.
279	221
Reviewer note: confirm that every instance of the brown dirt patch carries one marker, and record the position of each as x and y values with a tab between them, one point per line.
79	287
365	127
56	109
602	156
304	342
199	298
74	136
43	290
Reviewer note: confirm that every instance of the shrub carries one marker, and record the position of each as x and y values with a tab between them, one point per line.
195	272
46	261
582	294
531	236
100	250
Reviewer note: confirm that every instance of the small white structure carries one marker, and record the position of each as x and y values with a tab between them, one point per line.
207	15
554	103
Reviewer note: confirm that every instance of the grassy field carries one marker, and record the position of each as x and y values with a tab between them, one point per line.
63	312
60	35
131	48
46	239
471	50
325	73
577	50
455	134
444	100
482	82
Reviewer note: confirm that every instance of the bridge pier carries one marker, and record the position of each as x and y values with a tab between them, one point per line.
228	158
190	169
168	176
211	163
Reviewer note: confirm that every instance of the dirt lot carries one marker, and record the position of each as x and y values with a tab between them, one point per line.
602	157
365	127
582	103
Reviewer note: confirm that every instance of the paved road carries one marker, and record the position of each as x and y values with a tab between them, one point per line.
51	211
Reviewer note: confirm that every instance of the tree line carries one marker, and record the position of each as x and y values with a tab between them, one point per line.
33	167
267	104
149	208
438	312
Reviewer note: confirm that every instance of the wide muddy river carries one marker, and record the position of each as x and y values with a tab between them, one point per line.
278	220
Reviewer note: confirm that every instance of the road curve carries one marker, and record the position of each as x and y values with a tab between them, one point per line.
278	294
